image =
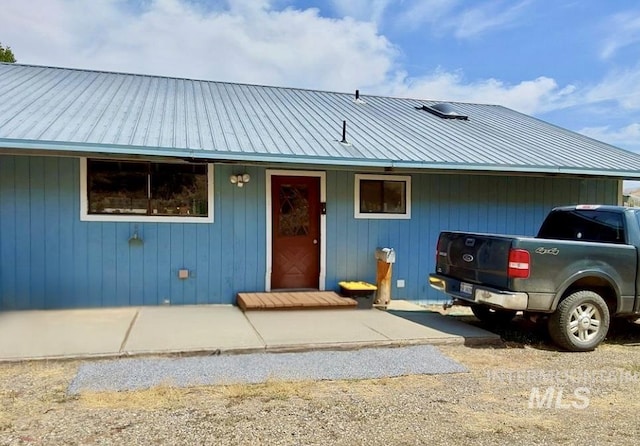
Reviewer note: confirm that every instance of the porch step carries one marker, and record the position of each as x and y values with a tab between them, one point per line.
297	300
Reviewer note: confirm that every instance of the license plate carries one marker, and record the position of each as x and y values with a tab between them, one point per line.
466	288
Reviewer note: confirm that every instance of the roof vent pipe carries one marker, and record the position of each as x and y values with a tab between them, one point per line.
344	133
357	99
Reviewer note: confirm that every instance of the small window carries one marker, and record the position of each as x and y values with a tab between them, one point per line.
144	191
382	196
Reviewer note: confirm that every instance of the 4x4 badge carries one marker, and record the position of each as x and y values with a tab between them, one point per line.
552	251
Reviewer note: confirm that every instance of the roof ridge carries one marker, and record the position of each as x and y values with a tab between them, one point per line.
244	84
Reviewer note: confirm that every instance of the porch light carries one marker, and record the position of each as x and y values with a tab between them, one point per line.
240	179
135	239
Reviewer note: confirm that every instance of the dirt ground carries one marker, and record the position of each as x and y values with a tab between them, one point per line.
524	392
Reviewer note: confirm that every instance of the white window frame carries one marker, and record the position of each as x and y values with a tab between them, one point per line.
382	216
132	218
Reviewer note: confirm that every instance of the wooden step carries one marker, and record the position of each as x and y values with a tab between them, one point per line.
295	300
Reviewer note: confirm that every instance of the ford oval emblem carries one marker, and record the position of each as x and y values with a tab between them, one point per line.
467	257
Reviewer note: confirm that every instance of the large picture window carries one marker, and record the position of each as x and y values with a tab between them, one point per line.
139	191
382	196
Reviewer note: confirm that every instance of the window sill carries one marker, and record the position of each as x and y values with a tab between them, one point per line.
374	216
132	218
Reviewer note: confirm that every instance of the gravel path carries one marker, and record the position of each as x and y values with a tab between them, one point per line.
370	363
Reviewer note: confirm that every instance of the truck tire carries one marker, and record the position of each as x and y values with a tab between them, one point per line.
492	316
581	322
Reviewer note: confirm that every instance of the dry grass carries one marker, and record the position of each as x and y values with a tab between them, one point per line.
268	391
161	397
166	396
18	382
169	396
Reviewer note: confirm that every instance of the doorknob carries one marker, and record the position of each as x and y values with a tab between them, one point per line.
315	241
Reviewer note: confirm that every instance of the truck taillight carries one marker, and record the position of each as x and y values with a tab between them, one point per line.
519	264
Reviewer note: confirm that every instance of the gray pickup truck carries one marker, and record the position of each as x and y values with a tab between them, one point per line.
578	272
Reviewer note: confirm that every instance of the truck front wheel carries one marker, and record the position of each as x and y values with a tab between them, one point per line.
580	322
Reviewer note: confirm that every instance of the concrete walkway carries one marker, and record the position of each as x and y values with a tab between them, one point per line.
114	332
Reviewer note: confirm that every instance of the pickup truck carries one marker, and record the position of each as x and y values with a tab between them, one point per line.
578	272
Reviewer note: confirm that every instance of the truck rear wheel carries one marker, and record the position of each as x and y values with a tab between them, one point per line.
491	315
580	322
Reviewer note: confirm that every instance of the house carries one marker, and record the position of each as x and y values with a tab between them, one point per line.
122	189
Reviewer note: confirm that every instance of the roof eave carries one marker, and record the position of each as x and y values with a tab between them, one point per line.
80	149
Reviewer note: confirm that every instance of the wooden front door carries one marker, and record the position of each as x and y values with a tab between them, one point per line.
296	232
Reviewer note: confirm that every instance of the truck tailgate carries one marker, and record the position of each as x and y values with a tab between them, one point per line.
476	258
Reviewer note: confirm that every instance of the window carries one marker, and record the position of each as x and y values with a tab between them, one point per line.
146	191
584	225
294	210
382	196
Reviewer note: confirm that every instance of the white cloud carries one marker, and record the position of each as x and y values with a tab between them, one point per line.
532	96
446	17
417	13
486	17
626	137
624	30
621	86
364	10
244	41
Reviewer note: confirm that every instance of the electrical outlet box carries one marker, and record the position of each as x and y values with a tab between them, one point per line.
400	283
183	274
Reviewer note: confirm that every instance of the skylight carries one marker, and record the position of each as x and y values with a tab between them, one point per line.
443	110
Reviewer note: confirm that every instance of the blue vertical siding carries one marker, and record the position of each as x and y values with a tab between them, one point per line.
480	203
50	259
151	286
8	211
22	240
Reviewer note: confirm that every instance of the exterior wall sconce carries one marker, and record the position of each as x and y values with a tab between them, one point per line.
240	179
135	239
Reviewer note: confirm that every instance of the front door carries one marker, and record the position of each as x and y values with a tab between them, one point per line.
296	232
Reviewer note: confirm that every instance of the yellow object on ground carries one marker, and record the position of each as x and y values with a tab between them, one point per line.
358	286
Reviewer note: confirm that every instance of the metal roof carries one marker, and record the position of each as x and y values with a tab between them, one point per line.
83	111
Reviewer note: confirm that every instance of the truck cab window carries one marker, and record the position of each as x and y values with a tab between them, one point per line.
584	225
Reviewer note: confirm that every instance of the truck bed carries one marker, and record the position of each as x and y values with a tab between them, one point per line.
483	259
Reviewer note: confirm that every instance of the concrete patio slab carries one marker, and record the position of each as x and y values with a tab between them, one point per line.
441	327
63	333
191	329
283	330
299	330
108	332
403	329
447	328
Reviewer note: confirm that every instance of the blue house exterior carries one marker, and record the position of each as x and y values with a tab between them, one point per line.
454	174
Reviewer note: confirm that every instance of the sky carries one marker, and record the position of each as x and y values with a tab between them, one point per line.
575	63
